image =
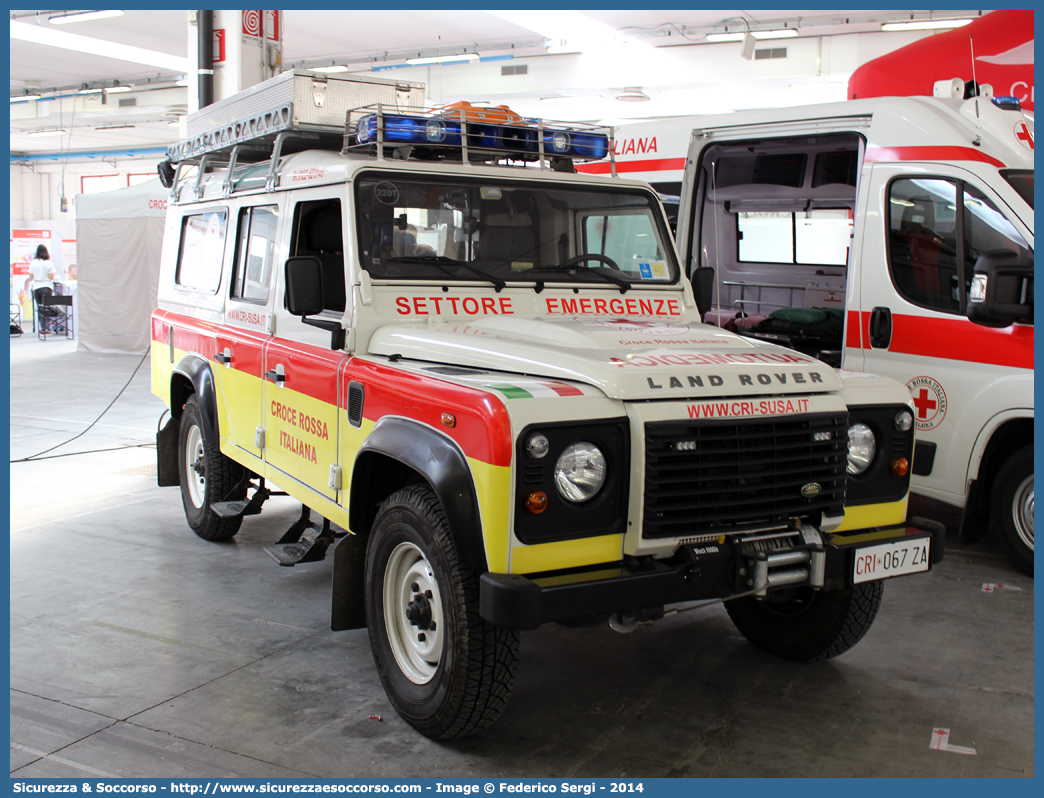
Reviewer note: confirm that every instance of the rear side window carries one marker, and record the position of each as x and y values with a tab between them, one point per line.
201	251
255	253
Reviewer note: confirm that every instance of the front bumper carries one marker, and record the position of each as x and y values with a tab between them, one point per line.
702	572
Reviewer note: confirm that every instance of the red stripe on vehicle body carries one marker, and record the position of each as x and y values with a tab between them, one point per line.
482	427
875	154
955	339
644	165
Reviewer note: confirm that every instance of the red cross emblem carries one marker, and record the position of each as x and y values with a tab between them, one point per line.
1022	133
923	403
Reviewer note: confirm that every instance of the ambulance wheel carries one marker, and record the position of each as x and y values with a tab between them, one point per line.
447	672
1011	505
804	625
207	476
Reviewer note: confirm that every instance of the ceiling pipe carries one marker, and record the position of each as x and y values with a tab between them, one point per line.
68	156
205	26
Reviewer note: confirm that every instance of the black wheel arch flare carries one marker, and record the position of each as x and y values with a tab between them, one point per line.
437	459
196	370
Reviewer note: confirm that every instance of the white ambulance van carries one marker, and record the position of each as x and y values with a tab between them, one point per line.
890	235
485	379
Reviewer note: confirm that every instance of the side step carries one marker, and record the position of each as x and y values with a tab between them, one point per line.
243	506
305	541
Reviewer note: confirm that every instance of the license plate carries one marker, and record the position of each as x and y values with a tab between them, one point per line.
892	559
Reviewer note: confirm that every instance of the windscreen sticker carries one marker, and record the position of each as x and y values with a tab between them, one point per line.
386	193
653	270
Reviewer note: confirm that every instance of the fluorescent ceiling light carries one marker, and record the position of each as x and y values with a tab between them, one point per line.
782	33
83	16
329	69
181	83
118	89
925	24
443	59
85	44
114	127
25	98
52	132
632	96
572	30
578	98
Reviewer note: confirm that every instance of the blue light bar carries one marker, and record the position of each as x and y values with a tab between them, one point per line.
511	140
1008	103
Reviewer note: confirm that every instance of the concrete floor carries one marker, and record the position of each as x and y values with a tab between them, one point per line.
138	649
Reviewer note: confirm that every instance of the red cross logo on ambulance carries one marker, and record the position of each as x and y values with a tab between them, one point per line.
1024	135
929	400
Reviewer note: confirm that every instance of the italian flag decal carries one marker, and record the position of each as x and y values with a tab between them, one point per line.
534	390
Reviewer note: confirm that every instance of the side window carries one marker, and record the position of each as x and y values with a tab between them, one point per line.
817	237
255	253
318	232
927	259
201	251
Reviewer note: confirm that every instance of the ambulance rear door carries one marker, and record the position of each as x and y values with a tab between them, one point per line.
926	225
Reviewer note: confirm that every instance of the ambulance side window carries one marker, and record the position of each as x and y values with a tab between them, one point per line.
201	251
927	260
318	232
255	253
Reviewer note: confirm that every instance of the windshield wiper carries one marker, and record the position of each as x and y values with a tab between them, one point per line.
442	262
604	273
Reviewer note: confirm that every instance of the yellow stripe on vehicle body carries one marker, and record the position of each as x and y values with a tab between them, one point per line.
868	516
566	554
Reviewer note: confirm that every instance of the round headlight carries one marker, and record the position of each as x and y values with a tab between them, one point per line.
537	445
862	446
580	472
903	420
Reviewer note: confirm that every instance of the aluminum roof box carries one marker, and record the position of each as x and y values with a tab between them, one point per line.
317	102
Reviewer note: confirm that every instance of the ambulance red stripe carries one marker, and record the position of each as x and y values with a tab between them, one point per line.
951	339
875	154
644	165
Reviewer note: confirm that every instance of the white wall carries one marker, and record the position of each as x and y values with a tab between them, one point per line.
36	190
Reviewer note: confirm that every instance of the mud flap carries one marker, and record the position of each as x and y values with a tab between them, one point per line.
167	454
349	578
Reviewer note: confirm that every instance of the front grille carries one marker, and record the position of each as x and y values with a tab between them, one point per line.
710	477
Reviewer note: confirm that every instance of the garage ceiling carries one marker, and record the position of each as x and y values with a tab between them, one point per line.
359	39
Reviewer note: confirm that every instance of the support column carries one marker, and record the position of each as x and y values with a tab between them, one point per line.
247	48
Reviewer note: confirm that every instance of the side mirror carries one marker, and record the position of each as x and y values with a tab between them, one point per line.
703	288
304	286
1001	290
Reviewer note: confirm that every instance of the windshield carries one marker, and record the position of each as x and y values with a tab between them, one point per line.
430	228
1022	182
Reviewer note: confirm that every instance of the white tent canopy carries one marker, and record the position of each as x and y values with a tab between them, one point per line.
119	235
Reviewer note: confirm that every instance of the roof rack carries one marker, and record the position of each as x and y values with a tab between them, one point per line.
302	110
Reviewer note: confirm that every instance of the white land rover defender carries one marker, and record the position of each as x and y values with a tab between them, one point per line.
491	384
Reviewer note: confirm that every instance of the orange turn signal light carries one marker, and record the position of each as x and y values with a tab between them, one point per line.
900	467
536	502
449	419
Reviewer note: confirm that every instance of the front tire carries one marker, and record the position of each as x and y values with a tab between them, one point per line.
1011	505
206	477
804	625
447	672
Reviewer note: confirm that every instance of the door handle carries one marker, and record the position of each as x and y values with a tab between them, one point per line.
880	328
224	358
276	375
